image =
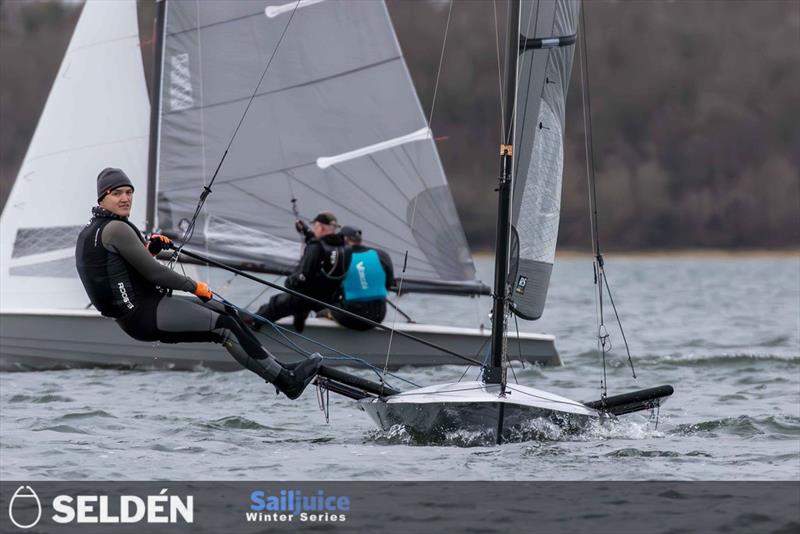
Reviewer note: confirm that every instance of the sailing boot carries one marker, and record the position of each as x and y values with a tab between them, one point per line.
299	320
294	377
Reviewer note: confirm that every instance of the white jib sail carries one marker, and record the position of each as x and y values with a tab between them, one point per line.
96	116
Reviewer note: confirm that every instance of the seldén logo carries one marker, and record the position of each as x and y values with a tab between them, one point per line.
25	509
19	508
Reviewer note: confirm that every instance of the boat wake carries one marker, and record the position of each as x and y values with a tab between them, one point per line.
706	361
536	430
775	427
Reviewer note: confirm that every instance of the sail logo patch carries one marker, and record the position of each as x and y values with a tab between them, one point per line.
522	283
20	508
180	90
362	275
124	294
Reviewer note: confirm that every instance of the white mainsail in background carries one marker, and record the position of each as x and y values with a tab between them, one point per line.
96	116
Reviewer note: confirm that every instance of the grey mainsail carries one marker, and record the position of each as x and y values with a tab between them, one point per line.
335	123
547	27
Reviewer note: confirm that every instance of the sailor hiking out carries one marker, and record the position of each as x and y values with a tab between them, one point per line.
125	282
318	275
366	283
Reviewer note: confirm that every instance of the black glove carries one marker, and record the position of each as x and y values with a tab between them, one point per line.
158	243
302	229
295	281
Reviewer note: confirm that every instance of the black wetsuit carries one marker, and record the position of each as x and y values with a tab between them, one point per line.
374	310
127	284
319	275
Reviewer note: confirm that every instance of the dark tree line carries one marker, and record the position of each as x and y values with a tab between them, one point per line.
695	112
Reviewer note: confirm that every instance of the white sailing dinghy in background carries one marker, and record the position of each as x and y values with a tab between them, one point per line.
335	125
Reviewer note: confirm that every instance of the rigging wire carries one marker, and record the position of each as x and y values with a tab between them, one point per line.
524	47
597	265
288	343
477	353
508	130
406	316
619	322
505	135
603	338
249	276
499	69
414	206
282	331
189	230
587	135
261	293
441	62
202	113
510	366
227	283
486	359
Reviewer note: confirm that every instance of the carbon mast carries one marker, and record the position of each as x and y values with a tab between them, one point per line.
495	373
155	115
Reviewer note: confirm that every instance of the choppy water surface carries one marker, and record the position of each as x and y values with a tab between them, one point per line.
724	332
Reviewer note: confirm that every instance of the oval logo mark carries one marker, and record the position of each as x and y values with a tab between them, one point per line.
27	498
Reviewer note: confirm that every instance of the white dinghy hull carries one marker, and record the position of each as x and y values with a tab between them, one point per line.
432	412
34	339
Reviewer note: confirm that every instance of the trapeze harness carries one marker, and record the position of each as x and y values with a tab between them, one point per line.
113	288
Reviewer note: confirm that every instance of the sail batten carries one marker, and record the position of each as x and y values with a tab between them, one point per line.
419	135
335	124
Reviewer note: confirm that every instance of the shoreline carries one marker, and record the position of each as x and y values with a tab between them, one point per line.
676	253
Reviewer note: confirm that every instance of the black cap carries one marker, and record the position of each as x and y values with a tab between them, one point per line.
110	179
325	217
351	232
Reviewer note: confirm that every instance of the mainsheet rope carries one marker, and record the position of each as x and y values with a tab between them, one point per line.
288	343
311	299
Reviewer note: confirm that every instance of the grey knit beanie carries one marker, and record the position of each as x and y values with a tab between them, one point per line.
110	179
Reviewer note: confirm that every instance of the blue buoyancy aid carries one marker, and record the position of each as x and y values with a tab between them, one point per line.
365	278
